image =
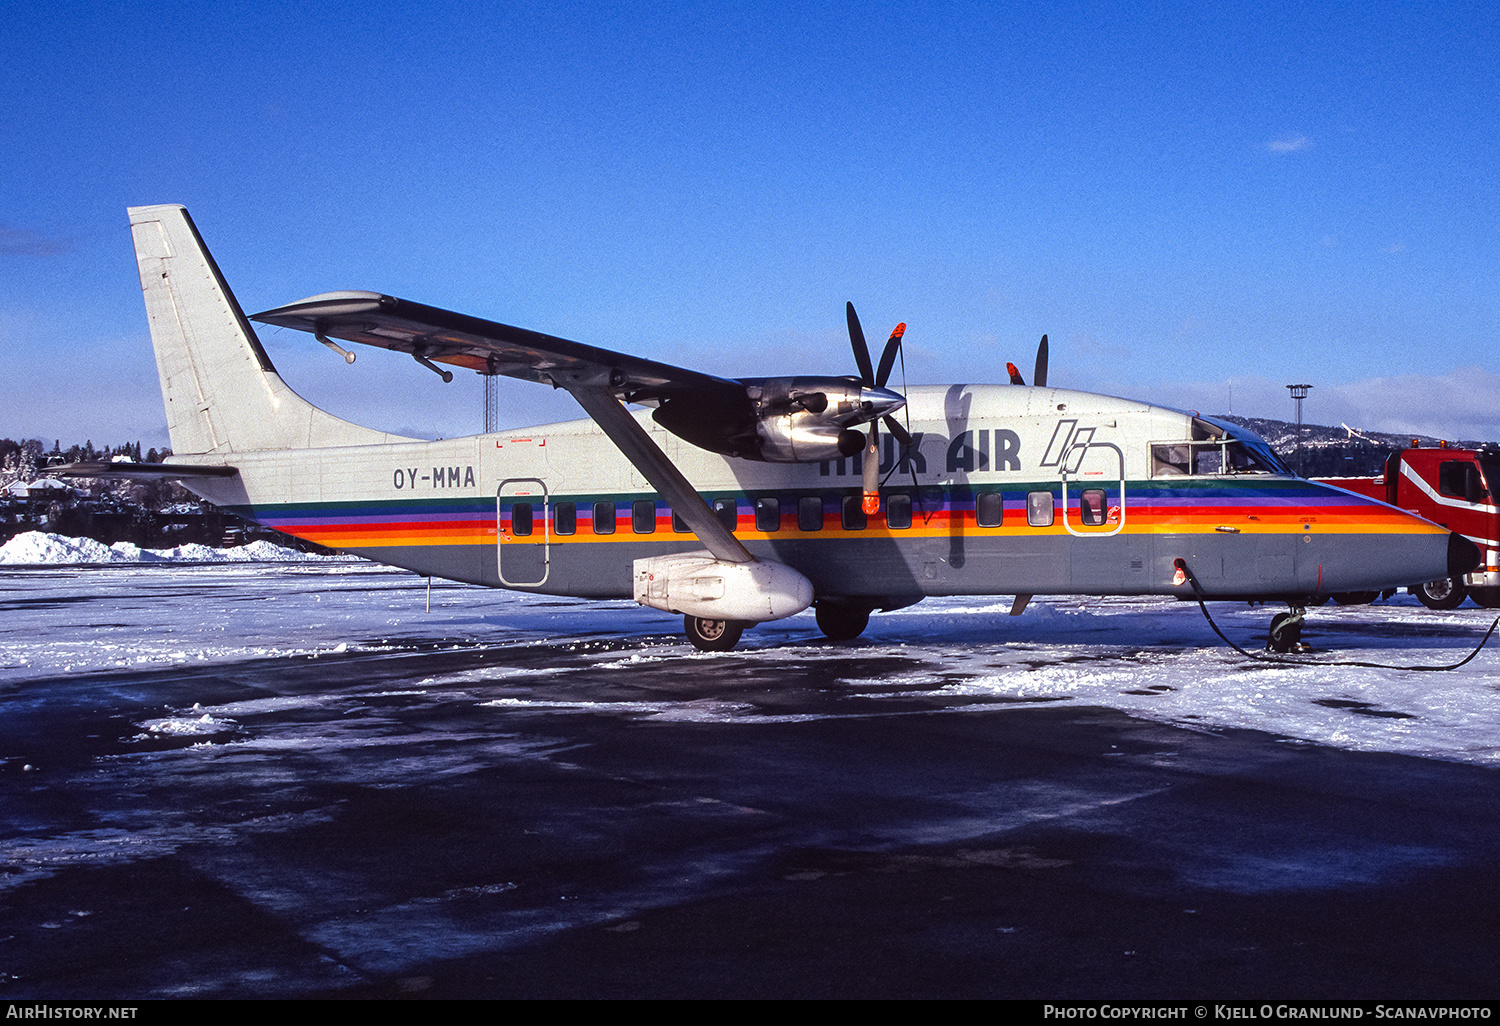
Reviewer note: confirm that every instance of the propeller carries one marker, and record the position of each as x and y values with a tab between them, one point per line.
870	377
1039	376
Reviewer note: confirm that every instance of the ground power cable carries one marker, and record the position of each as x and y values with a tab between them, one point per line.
1263	658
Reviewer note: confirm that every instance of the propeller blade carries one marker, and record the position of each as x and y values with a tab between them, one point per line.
1040	377
1015	374
871	498
888	357
898	432
861	350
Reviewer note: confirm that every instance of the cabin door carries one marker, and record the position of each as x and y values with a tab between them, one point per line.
1093	486
523	532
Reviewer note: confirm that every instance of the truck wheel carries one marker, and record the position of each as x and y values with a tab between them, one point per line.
1489	598
712	635
1443	593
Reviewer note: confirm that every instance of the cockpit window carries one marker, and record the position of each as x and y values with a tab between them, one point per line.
1216	457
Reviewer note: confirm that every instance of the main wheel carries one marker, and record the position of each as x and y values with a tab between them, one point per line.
712	635
1355	598
1489	598
841	621
1443	593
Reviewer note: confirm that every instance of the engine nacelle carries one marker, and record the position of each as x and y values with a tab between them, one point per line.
780	420
805	438
698	584
808	420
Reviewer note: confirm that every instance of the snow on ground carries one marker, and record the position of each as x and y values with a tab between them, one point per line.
1149	657
36	548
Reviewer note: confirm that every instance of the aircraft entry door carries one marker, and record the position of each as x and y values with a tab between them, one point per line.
523	532
1093	487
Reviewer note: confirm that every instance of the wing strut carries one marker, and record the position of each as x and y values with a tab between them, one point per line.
632	440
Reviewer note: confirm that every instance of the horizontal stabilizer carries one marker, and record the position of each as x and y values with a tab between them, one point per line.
140	471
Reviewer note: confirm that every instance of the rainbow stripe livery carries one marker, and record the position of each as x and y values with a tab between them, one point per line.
747	500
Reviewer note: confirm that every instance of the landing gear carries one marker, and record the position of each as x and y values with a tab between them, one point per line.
1443	593
712	635
841	621
1286	632
1355	598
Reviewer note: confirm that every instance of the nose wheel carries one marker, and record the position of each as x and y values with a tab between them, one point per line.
1285	634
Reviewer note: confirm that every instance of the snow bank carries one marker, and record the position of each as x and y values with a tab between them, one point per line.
35	548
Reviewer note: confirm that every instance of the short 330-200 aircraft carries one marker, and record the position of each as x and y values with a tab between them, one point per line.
740	501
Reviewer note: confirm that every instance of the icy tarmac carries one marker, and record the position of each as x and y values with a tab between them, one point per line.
296	780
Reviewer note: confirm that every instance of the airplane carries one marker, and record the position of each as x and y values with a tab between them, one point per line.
737	501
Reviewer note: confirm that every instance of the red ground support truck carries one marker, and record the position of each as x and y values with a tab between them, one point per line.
1458	488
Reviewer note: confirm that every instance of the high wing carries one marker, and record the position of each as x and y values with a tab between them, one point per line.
442	336
784	420
599	379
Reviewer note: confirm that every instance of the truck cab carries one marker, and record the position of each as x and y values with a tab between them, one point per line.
1456	488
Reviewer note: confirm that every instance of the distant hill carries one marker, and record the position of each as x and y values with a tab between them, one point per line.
1335	451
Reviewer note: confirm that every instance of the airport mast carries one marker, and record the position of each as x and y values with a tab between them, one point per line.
1299	393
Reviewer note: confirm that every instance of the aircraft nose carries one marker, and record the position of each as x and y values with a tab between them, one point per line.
1463	555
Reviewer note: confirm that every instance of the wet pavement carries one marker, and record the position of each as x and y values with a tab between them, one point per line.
568	818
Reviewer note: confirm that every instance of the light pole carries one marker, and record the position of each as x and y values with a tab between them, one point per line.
1299	393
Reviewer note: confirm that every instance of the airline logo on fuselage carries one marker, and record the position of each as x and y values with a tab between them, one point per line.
976	450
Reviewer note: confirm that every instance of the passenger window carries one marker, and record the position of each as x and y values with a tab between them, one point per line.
989	509
643	516
678	524
810	513
728	512
565	518
1039	509
898	511
854	518
520	519
604	518
1091	507
767	515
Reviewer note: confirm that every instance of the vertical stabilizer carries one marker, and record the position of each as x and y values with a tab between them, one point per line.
221	392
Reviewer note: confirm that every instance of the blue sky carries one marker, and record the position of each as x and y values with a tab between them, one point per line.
1198	203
